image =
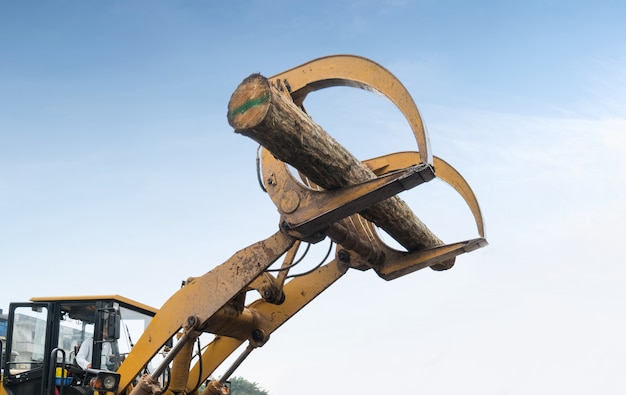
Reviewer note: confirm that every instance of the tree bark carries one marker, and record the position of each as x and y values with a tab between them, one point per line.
260	111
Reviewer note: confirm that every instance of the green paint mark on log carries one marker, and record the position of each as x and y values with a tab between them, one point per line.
248	105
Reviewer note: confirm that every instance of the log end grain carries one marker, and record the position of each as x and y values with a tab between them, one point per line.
249	103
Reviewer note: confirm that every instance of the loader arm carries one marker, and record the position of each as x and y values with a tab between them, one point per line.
345	211
201	298
298	293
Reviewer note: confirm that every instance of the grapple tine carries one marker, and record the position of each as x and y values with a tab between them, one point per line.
443	170
359	72
447	173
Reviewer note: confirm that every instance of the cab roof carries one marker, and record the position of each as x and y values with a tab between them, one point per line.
93	298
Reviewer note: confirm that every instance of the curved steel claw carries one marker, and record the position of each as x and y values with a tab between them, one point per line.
443	170
359	72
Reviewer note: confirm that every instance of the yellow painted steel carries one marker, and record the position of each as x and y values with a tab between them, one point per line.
214	302
340	70
202	298
299	292
359	72
286	191
443	170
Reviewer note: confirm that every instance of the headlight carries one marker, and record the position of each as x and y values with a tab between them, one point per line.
105	381
109	383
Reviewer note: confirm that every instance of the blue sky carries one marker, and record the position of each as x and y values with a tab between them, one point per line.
117	162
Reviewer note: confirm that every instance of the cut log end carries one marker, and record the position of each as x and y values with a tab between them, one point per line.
249	104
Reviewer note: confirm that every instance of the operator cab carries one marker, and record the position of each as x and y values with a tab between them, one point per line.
44	338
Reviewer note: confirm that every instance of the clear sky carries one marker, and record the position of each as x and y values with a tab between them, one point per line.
119	174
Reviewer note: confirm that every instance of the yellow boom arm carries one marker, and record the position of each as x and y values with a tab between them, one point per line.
215	302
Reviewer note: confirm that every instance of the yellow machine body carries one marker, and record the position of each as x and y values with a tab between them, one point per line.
215	302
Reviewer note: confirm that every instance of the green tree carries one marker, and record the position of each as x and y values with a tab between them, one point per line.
241	386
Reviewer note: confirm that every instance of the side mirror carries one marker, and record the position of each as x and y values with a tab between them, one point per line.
113	327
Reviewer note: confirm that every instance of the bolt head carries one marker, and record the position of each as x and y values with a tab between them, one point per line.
343	255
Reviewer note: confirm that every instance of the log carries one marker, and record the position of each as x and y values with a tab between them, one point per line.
261	112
